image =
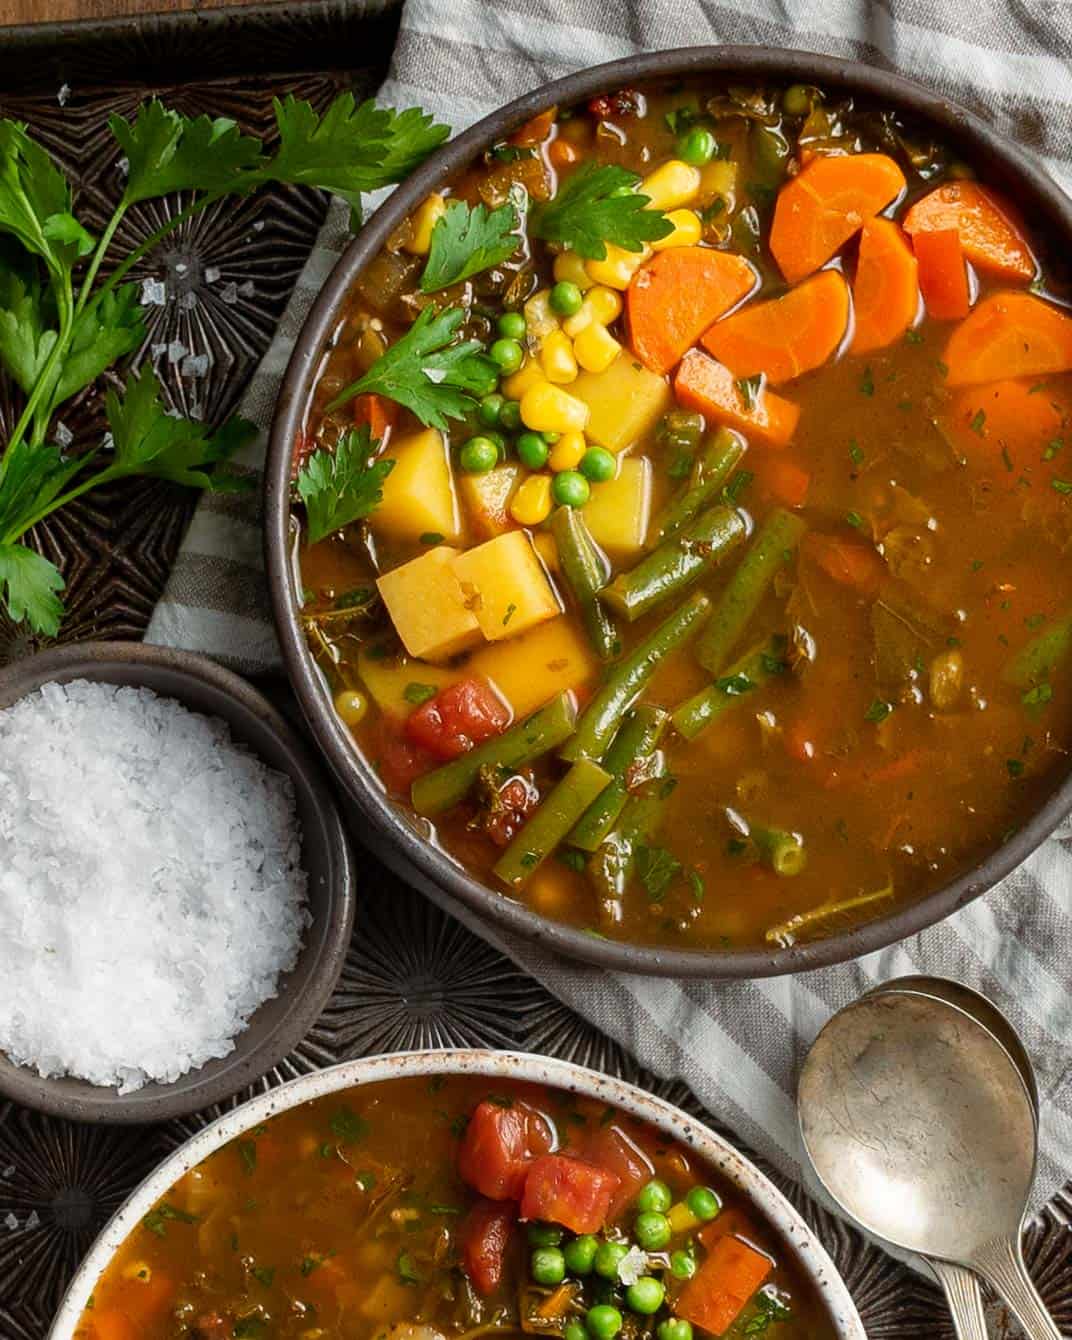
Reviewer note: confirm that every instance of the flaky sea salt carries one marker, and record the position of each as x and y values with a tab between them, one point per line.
151	892
153	293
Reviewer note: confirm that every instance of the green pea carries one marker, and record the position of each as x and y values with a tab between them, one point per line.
580	1254
532	451
656	1195
489	409
645	1296
512	326
682	1265
697	147
652	1231
674	1328
478	456
566	298
574	1330
569	488
703	1202
603	1321
796	100
510	416
598	465
607	1257
547	1265
508	354
544	1235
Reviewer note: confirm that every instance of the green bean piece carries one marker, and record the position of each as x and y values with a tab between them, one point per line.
530	739
626	679
612	867
778	536
720	458
585	576
781	850
769	159
1036	660
751	672
627	760
551	821
677	562
682	430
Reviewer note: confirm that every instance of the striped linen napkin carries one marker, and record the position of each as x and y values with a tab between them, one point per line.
738	1045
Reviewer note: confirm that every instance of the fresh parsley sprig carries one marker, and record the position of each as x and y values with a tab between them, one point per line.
597	205
341	486
467	240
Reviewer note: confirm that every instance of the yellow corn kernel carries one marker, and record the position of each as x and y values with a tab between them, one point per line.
427	214
528	374
532	502
601	305
687	230
671	185
682	1219
595	348
544	544
618	267
570	267
549	409
567	452
540	320
556	358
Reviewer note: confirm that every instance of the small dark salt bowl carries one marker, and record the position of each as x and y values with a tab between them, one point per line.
280	1023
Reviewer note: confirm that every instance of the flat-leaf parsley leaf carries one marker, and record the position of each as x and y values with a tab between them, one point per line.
591	209
342	486
466	240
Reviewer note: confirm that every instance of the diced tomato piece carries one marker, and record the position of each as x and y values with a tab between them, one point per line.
626	102
612	1149
399	761
498	1146
377	411
485	1235
513	802
715	1296
458	717
568	1191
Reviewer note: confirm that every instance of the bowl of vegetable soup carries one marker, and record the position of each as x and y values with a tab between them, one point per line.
444	1195
667	514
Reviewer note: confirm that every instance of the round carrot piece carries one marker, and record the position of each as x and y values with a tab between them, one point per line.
785	336
1006	427
702	384
943	276
987	226
824	205
1009	335
885	292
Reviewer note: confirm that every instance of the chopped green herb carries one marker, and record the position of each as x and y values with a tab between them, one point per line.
366	1180
511	610
1006	458
1038	696
247	1152
348	1127
1062	485
407	1269
656	869
419	693
854	519
772	665
867	382
1035	620
943	368
976	564
264	1275
1015	767
913	337
978	422
431	537
696	885
157	1219
246	1328
749	388
856	454
878	711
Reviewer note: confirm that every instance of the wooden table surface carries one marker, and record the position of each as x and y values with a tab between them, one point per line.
45	11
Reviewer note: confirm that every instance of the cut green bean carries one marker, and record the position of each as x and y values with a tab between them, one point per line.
585	576
778	536
627	760
751	672
719	460
612	867
601	718
530	739
1036	660
781	850
677	562
551	821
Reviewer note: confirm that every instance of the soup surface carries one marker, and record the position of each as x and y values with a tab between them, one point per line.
715	595
427	1209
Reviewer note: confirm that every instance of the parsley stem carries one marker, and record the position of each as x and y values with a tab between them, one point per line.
94	481
98	256
45	383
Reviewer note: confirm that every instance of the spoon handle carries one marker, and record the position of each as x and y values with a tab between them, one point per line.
1001	1264
964	1295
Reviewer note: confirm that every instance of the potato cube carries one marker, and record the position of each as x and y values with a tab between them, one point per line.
418	494
393	683
531	669
506	585
617	511
625	401
428	607
486	499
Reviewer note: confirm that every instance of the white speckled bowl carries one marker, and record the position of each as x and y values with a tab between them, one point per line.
798	1240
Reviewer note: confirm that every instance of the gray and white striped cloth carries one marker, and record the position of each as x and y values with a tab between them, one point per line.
738	1045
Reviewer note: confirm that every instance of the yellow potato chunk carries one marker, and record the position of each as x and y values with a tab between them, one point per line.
418	494
625	401
389	679
486	499
506	585
617	512
428	607
529	670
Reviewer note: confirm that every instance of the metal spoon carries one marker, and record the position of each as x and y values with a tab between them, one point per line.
920	1124
962	1289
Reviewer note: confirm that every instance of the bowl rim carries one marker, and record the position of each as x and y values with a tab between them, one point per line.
391	833
809	1255
75	1100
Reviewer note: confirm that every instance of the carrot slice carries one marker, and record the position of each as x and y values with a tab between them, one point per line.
943	276
825	204
707	386
781	480
987	226
716	1295
848	562
377	411
885	293
675	297
1009	335
785	336
1005	427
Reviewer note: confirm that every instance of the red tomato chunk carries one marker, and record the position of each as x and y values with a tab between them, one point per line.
485	1236
612	1149
568	1191
457	718
499	1145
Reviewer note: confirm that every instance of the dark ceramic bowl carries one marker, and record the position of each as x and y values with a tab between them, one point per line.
402	840
281	1023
